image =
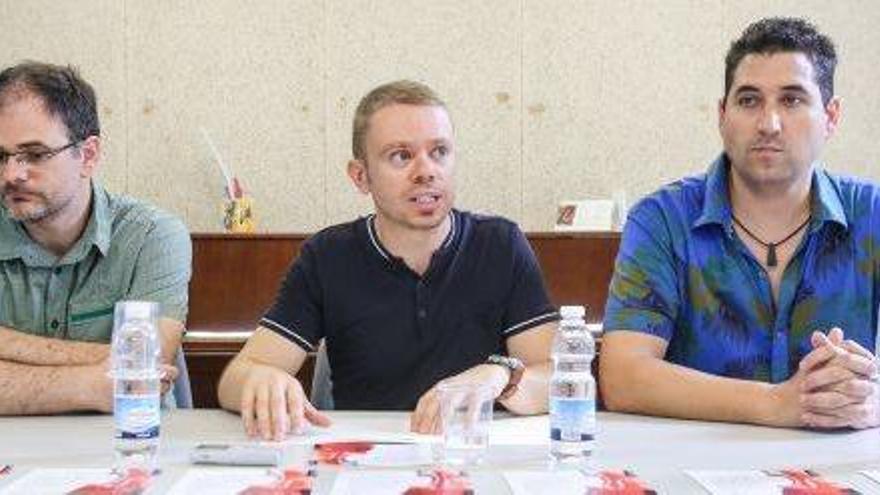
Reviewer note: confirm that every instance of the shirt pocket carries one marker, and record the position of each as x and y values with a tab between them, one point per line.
90	321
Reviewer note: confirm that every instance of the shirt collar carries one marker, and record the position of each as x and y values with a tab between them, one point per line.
716	200
826	205
377	244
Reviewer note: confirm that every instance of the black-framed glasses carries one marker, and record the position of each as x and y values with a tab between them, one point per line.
35	156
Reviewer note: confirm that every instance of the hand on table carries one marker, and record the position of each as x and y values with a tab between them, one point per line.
844	391
273	404
426	417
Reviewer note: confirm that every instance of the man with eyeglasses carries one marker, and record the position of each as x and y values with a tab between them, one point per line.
69	250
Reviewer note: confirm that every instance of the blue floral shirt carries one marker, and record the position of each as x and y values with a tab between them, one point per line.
683	275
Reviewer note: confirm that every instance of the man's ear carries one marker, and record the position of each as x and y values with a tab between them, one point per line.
90	152
722	109
833	114
357	171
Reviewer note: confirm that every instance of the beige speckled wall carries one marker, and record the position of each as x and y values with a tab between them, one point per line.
554	99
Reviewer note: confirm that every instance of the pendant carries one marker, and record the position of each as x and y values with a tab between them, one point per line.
771	255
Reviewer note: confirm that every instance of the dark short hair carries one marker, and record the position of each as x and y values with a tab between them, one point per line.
785	34
397	92
64	93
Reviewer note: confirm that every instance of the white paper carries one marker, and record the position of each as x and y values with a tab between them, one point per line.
873	474
56	481
745	482
395	455
546	482
221	480
377	482
341	433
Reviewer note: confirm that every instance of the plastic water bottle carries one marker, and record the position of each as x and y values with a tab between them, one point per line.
136	389
572	391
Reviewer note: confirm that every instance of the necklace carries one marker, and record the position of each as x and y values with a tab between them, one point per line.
771	246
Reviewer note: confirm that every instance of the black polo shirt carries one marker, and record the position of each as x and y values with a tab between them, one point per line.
391	334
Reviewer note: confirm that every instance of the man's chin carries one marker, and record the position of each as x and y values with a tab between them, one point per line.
27	215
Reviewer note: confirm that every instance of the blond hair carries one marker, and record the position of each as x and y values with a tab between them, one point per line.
403	92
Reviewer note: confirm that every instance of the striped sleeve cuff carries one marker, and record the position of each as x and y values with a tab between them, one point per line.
288	334
530	323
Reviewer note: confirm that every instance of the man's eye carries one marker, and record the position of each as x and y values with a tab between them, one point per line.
440	152
747	101
792	101
399	157
34	156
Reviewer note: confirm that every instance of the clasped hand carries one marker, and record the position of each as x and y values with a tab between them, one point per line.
838	384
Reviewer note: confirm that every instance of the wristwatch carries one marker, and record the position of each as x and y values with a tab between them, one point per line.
516	369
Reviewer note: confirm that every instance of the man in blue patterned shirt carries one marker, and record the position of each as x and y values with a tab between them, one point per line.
750	293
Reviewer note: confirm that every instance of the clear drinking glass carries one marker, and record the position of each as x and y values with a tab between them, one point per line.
465	415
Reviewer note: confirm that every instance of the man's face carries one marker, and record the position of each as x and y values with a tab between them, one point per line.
409	165
773	121
34	192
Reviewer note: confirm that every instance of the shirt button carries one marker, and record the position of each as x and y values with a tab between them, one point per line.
422	313
54	324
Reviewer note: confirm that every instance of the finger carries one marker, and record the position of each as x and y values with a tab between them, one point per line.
247	410
168	372
856	348
278	405
823	421
434	418
859	415
857	363
315	416
261	405
818	356
857	388
826	376
825	402
415	418
421	421
835	335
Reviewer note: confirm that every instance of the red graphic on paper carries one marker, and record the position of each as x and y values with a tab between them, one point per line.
620	483
134	482
291	482
338	452
442	483
805	482
5	469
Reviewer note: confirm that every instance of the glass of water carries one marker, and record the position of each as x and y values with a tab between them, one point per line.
465	416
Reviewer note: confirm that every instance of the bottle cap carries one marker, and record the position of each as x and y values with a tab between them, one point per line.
568	312
137	310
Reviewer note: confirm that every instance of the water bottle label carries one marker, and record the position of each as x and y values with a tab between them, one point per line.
136	417
572	420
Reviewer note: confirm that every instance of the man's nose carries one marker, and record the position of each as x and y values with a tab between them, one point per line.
770	121
424	168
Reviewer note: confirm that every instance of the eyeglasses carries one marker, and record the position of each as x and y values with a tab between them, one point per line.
33	157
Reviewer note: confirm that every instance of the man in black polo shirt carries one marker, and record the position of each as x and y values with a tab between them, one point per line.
414	294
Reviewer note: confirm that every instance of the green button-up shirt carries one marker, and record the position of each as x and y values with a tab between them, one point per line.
128	251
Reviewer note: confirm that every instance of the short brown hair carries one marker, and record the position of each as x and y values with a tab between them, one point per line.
64	93
398	92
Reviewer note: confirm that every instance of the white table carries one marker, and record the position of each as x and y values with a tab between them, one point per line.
656	449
